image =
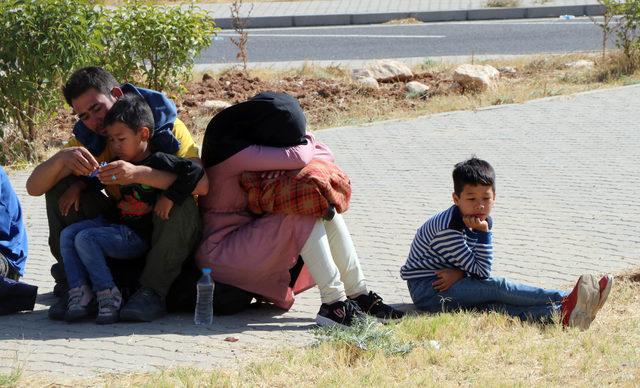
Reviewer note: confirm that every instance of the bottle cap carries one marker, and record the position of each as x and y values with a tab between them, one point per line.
206	270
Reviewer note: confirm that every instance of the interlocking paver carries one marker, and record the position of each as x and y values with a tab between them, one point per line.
566	203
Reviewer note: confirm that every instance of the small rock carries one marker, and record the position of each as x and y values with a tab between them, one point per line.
215	105
360	73
232	339
206	77
476	77
227	83
416	88
189	103
509	71
389	71
368	83
581	64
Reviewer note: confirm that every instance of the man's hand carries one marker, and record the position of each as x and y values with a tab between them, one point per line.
118	173
79	160
71	198
447	278
474	223
163	207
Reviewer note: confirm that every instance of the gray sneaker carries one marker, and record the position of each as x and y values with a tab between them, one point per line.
81	304
144	306
109	303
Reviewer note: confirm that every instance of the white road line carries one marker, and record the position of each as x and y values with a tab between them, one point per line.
338	36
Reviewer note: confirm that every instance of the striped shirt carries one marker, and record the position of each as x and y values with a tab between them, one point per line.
445	242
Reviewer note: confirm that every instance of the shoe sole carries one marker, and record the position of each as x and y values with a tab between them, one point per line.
327	322
587	299
106	321
136	317
70	318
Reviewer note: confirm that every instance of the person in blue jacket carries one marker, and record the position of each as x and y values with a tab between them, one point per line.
14	296
13	236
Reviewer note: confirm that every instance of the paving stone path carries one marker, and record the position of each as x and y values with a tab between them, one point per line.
567	203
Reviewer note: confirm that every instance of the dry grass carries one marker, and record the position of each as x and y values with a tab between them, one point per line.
538	77
503	3
404	21
475	349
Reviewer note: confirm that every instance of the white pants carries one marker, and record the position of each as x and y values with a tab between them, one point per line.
332	260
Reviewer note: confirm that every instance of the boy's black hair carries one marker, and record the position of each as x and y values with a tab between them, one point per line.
473	171
131	110
86	78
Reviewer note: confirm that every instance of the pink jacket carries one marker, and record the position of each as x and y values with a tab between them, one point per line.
255	254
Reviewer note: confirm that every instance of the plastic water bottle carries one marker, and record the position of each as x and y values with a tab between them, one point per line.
204	302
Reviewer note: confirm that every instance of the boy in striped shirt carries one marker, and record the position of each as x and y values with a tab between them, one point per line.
449	264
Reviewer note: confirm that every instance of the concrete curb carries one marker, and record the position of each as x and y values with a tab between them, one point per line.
430	16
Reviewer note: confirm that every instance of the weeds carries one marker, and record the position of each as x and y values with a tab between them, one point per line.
366	335
11	379
240	26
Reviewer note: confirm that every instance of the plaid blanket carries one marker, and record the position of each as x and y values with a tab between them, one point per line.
312	191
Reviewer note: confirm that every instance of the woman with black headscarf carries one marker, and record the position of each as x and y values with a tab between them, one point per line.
268	133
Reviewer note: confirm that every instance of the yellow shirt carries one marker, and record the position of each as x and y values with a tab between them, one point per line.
188	150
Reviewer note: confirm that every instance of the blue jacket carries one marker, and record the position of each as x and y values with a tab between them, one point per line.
13	235
164	115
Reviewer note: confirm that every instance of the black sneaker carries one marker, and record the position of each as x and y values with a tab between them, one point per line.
144	306
59	308
340	313
61	287
371	304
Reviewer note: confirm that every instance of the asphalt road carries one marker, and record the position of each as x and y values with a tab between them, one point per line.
416	40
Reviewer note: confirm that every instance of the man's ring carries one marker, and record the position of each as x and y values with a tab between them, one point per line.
113	177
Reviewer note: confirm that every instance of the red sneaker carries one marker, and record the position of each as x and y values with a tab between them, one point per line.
581	305
604	285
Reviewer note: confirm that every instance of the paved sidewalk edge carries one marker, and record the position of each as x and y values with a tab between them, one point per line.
427	16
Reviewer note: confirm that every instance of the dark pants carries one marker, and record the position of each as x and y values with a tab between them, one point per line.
173	240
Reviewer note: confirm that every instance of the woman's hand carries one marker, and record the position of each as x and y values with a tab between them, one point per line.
447	278
272	174
71	198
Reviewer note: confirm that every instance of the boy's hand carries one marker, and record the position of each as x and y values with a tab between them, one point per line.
447	278
163	207
71	198
474	223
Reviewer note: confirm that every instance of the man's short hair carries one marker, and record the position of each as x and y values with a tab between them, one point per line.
86	78
473	171
131	110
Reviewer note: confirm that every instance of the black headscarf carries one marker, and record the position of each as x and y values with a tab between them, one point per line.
269	119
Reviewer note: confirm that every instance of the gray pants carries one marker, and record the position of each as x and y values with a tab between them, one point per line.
172	242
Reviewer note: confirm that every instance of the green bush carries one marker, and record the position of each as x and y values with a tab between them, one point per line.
626	28
158	43
42	41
